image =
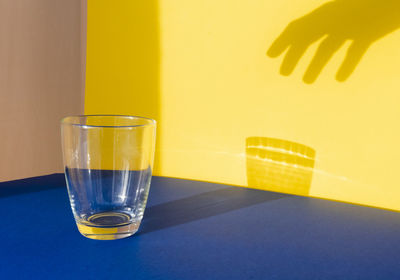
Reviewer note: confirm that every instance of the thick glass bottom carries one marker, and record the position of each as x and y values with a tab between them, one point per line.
108	226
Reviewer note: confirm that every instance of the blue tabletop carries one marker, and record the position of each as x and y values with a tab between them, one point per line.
196	230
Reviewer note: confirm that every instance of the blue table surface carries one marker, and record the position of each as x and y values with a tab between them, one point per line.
197	230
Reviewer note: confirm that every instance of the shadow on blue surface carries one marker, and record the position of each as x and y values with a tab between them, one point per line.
202	206
167	214
30	185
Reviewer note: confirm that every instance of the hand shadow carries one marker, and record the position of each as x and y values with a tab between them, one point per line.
361	21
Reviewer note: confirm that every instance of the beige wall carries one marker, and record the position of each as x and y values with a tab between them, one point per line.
41	80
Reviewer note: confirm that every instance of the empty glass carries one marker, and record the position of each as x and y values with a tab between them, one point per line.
108	163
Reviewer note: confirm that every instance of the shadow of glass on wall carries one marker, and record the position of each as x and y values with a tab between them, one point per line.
279	165
361	21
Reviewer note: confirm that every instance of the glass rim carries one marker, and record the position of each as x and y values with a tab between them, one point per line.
64	121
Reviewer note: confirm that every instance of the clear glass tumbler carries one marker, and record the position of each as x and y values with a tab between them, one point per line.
108	163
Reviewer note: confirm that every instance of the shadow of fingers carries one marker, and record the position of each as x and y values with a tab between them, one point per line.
279	45
324	53
354	54
291	59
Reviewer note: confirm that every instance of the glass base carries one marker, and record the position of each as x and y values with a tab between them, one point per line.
108	226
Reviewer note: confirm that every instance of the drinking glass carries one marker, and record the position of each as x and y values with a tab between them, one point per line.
108	163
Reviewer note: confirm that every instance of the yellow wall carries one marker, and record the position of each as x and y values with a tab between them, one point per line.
122	67
334	135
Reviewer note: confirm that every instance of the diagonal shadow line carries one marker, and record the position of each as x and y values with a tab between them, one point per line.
203	206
